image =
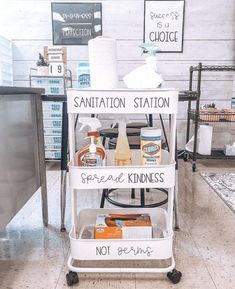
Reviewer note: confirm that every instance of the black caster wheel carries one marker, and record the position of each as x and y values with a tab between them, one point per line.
72	278
174	276
62	230
194	167
185	157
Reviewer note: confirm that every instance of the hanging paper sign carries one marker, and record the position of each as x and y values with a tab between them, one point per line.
75	23
163	24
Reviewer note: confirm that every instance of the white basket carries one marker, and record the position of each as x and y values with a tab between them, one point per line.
158	248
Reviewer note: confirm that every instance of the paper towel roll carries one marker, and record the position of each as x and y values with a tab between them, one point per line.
204	140
103	63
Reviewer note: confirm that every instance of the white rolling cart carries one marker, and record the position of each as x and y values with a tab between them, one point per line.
131	255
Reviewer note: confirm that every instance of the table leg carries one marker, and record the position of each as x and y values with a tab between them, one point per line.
64	150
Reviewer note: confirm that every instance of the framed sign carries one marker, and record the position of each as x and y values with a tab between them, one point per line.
75	23
164	24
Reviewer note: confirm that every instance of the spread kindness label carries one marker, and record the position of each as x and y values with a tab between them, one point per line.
122	177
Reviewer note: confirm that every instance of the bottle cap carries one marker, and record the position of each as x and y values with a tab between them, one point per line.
93	133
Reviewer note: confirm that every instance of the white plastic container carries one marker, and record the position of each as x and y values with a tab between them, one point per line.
83	74
150	146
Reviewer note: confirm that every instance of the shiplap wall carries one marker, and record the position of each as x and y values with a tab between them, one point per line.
209	37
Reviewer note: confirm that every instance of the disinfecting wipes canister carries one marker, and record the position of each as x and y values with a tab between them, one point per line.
150	146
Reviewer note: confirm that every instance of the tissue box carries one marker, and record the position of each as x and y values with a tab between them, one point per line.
229	150
123	226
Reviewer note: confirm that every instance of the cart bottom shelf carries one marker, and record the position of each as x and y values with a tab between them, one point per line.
166	266
123	266
158	247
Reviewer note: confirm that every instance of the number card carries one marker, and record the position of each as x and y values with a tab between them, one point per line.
56	69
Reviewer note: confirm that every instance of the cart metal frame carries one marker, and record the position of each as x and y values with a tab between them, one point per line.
161	247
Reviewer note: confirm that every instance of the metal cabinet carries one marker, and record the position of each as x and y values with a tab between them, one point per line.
22	164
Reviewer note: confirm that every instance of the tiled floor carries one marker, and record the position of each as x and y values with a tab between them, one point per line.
32	256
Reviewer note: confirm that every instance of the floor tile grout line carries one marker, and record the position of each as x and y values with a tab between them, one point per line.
62	271
196	246
202	258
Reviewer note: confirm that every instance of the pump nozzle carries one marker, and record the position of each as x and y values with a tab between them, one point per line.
149	48
92	122
121	121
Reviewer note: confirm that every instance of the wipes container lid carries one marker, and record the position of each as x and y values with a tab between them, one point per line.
151	132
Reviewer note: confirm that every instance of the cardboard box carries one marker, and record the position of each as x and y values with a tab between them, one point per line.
123	226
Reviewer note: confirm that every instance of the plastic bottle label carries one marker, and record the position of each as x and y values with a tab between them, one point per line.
90	160
150	150
84	80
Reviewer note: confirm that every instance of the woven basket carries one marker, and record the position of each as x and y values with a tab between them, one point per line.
210	114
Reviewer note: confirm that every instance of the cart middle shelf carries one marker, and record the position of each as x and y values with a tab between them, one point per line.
135	176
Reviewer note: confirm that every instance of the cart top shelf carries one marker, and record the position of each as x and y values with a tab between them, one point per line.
123	101
213	68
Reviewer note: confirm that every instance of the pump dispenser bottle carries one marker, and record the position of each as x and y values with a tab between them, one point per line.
92	158
122	153
93	132
93	123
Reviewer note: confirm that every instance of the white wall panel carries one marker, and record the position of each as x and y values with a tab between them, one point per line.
209	37
123	19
